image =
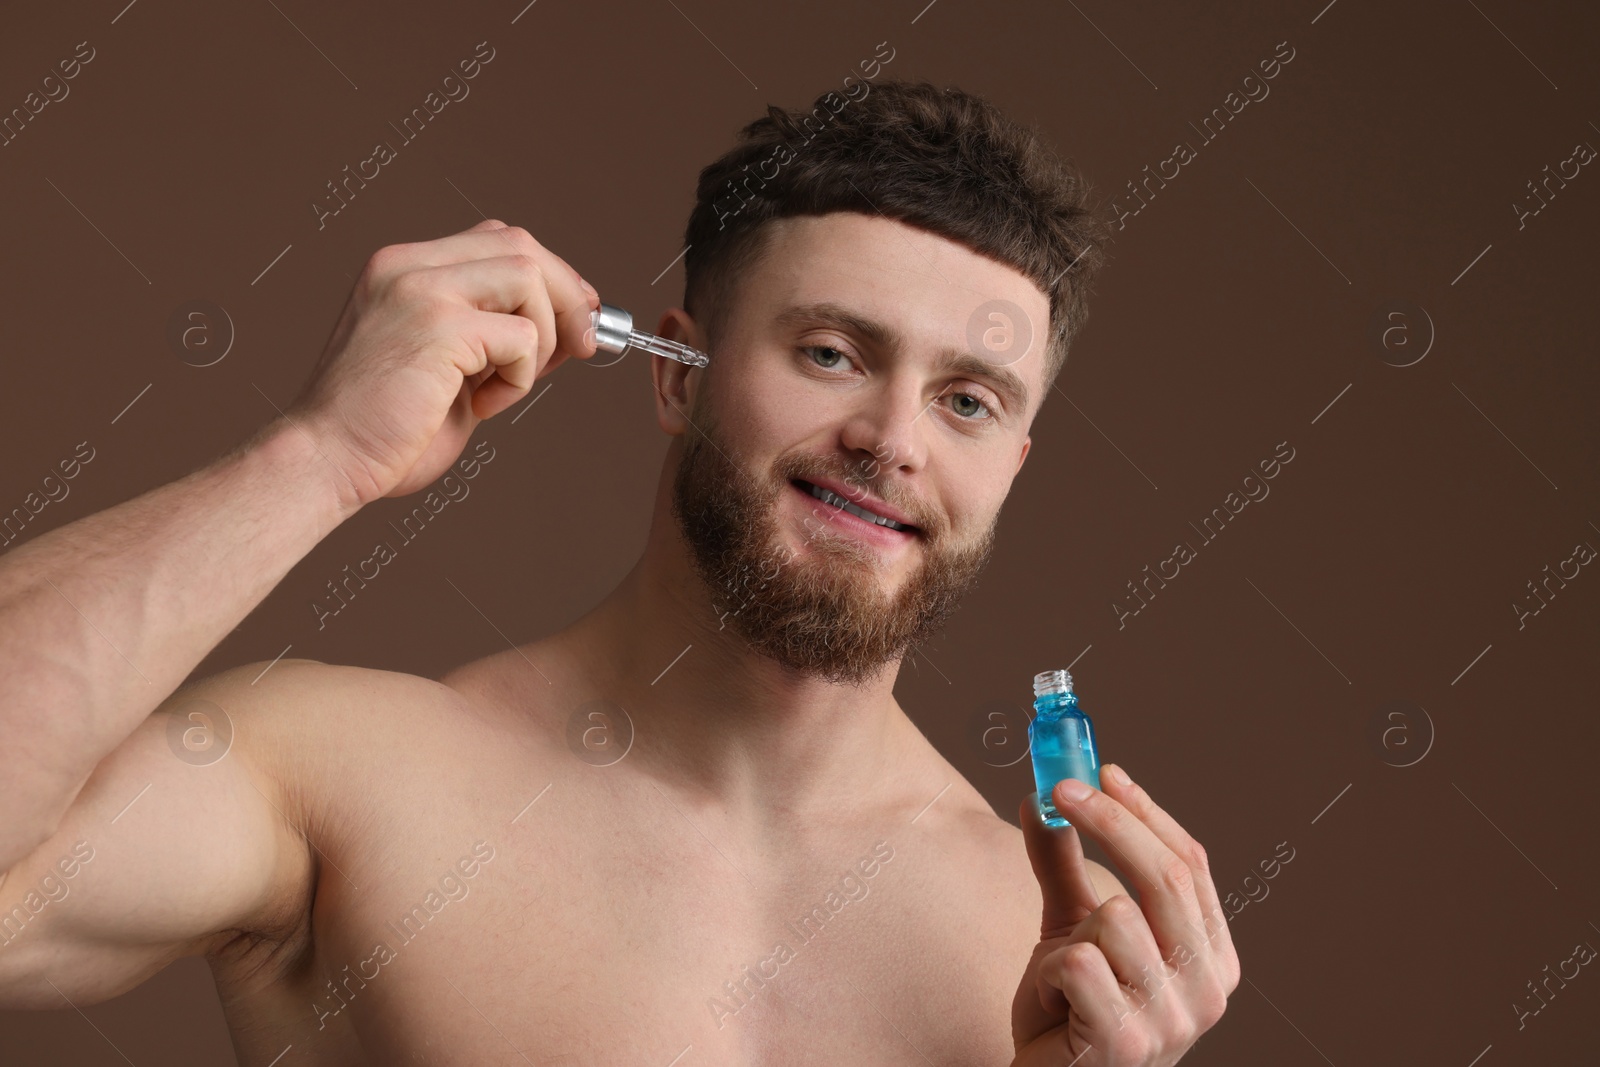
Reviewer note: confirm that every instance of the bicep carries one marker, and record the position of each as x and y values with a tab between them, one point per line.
174	841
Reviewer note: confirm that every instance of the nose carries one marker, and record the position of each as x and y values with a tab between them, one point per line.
886	428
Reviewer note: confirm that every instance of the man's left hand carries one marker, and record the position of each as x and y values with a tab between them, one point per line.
1116	983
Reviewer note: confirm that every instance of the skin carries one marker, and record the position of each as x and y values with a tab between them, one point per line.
607	905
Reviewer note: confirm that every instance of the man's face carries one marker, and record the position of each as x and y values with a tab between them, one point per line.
833	368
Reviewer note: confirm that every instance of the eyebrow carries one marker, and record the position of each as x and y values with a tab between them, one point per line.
969	364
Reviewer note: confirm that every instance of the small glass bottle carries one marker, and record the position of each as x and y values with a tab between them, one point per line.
1061	738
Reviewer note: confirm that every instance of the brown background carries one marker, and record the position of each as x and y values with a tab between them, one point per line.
1236	310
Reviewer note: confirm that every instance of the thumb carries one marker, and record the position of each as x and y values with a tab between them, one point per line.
1057	857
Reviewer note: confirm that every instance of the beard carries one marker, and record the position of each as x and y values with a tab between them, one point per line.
821	613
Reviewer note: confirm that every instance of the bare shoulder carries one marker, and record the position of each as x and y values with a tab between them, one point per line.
291	696
286	683
310	726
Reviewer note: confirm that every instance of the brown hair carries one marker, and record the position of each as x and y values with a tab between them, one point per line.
942	159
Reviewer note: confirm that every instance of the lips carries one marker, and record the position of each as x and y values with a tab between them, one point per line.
869	510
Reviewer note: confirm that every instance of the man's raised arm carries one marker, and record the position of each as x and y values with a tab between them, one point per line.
102	619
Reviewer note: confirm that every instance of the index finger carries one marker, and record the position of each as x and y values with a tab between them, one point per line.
1164	879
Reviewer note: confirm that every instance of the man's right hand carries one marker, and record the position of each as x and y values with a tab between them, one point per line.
436	337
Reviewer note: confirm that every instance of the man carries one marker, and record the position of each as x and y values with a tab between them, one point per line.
773	866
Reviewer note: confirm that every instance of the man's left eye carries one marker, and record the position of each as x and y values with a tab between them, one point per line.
979	405
824	348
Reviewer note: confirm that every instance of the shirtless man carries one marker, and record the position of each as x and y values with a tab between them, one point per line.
780	869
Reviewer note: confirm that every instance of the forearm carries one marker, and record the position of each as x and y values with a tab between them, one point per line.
102	619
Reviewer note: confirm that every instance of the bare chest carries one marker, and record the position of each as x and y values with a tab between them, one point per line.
610	926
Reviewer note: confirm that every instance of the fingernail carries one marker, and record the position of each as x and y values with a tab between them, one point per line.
589	289
1075	790
588	337
1115	773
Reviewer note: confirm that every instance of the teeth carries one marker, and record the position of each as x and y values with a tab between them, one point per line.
830	497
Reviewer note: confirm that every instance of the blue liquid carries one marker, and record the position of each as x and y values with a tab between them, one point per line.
1061	739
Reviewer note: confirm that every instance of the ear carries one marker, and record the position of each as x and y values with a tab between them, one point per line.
1027	443
676	383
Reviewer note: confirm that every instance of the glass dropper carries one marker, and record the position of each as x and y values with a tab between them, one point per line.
614	333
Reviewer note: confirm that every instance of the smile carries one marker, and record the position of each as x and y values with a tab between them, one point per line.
828	496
